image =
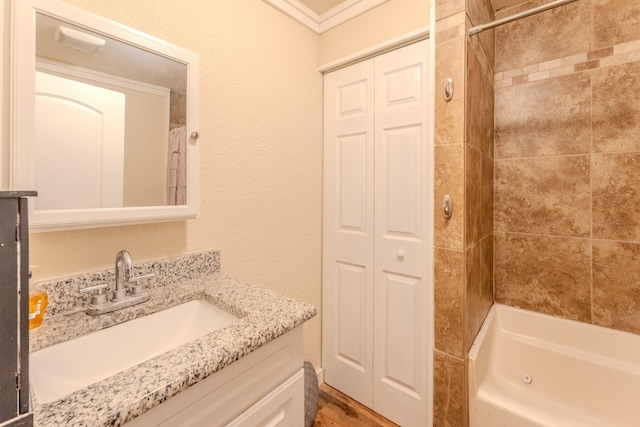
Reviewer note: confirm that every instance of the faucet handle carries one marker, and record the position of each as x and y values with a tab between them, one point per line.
139	288
100	298
142	277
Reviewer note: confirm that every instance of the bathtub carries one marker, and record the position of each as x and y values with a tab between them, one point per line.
531	370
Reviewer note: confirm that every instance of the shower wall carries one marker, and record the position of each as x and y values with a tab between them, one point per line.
567	162
464	170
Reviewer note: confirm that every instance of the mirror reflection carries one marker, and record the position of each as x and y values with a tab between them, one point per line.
110	122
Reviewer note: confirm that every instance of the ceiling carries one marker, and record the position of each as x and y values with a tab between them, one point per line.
321	6
116	58
321	15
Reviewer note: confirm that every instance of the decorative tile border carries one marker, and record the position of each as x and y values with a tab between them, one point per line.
450	28
601	58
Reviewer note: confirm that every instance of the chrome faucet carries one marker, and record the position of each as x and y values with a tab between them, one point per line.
124	273
123	295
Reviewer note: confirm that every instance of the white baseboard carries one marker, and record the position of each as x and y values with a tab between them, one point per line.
320	374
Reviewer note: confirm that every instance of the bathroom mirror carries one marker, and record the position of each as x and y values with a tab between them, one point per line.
104	120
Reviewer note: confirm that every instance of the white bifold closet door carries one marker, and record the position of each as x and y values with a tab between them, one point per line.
376	336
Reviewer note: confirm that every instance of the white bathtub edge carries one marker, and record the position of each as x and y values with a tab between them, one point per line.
583	374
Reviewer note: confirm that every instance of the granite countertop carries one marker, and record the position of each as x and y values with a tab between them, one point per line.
263	316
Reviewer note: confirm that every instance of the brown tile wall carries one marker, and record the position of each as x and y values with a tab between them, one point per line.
567	162
479	175
464	170
450	402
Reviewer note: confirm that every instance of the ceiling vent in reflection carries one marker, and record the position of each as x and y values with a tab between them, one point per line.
78	40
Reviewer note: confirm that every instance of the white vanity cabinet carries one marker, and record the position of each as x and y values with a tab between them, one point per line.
284	406
265	387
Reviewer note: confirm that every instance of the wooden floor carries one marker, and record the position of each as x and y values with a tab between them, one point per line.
337	409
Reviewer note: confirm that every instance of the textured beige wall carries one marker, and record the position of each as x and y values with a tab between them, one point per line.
5	13
260	152
385	22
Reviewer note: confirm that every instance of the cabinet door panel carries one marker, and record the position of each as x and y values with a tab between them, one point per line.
283	407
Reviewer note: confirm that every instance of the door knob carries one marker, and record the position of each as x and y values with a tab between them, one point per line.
400	255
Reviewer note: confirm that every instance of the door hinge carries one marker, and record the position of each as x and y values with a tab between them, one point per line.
18	227
18	380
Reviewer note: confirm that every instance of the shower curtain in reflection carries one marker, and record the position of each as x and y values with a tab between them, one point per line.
177	167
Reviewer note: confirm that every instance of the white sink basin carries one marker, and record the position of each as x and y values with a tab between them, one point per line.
63	368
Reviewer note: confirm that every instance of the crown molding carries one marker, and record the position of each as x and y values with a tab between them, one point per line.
320	23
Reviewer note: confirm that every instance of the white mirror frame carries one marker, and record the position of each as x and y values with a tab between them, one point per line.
22	133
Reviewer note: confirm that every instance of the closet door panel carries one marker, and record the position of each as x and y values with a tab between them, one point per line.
347	349
377	205
401	167
399	333
401	338
351	312
352	178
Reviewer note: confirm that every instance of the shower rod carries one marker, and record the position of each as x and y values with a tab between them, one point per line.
552	5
